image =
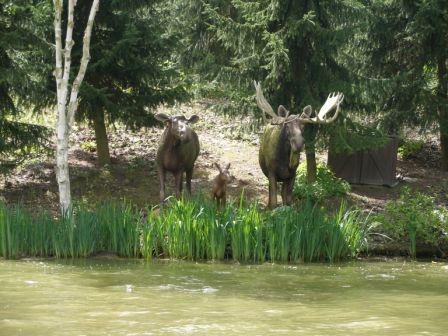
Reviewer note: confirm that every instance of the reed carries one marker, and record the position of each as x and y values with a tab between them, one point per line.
295	234
149	239
310	234
192	229
117	229
247	234
3	230
217	232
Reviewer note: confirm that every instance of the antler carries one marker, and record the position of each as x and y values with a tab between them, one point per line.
263	103
333	100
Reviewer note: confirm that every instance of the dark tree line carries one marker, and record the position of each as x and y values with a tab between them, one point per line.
388	57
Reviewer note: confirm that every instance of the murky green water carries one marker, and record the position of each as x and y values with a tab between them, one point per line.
92	297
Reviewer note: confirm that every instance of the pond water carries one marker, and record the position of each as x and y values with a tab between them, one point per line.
135	297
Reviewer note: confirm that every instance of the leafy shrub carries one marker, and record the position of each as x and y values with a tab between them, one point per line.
88	146
325	186
409	148
414	217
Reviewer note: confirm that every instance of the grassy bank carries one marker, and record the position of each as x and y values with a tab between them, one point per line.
186	229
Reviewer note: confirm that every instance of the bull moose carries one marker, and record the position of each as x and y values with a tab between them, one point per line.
177	152
282	141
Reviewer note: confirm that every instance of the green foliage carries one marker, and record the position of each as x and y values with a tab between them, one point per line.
349	137
109	227
415	218
247	234
186	229
401	56
409	148
311	234
88	145
17	86
132	69
292	47
326	184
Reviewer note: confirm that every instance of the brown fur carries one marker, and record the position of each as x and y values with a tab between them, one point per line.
219	188
279	159
177	152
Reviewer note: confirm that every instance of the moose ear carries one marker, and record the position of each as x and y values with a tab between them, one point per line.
193	119
217	166
162	117
282	111
306	112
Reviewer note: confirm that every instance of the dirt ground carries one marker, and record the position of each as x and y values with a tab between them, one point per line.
132	175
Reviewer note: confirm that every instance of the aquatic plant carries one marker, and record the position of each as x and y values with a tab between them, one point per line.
309	234
192	229
246	234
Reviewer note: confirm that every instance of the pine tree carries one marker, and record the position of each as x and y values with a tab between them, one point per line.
405	59
17	87
292	46
132	68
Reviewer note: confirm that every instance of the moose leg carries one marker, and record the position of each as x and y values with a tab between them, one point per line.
287	191
189	175
223	200
178	179
272	192
162	184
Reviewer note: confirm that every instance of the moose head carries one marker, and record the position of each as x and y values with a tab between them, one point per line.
178	126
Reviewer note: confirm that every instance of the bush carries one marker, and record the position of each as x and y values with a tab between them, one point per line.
410	148
326	184
414	217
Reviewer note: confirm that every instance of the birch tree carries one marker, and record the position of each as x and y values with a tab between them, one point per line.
67	95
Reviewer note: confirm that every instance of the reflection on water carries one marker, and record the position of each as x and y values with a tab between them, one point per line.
134	297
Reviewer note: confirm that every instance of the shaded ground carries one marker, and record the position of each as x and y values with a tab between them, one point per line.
132	175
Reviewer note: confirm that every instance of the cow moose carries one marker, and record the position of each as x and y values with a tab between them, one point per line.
177	152
219	188
282	141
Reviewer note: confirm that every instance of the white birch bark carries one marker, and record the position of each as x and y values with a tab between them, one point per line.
65	108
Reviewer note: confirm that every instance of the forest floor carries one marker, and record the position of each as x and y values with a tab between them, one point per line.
132	176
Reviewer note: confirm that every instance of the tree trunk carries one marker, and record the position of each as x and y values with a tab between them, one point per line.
444	149
443	109
62	73
310	134
66	108
311	166
102	142
62	171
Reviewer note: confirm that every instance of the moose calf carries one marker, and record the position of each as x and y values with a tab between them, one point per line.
177	152
219	188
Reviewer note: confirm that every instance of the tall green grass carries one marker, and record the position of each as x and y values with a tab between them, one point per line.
186	229
192	229
310	234
110	227
195	229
